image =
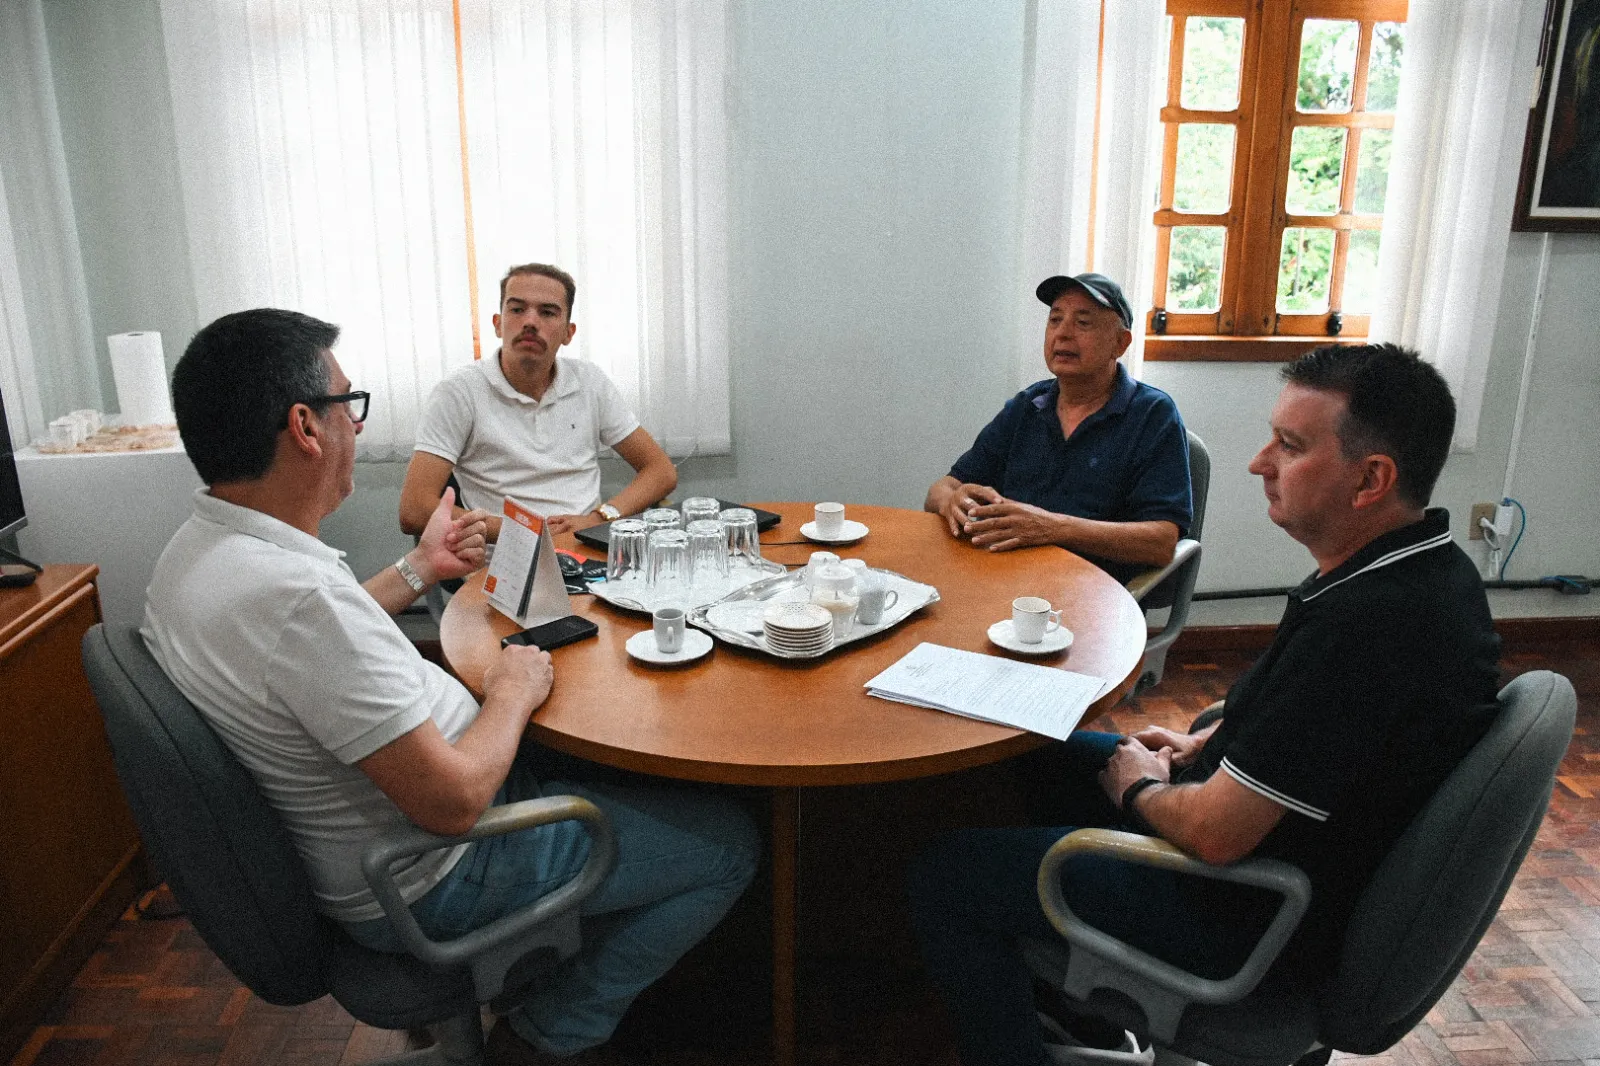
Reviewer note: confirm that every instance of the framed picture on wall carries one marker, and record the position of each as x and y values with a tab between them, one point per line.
1560	185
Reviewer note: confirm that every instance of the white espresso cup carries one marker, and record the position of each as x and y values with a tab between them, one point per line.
876	597
829	519
1032	618
668	623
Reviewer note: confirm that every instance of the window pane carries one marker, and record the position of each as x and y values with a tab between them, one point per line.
1211	50
1205	168
1383	69
1316	167
1327	65
1372	171
1361	271
1304	270
1194	270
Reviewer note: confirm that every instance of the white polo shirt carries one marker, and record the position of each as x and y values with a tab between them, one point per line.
544	453
301	674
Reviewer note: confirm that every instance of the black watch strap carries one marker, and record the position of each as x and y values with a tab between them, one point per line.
1131	793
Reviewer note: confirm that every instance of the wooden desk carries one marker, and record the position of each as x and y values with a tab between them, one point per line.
68	849
740	717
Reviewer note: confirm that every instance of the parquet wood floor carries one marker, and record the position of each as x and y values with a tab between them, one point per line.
153	994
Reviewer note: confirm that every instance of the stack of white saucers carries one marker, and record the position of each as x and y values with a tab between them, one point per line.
798	628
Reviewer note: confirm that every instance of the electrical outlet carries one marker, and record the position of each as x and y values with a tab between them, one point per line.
1480	511
1503	516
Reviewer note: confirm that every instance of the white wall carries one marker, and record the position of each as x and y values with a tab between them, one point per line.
874	204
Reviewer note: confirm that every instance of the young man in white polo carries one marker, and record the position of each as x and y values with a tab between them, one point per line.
530	424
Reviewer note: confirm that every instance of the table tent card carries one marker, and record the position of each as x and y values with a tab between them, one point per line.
524	582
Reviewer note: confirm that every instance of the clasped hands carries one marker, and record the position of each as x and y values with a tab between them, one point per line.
996	523
1151	752
450	546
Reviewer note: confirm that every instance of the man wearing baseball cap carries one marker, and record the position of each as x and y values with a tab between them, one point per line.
1088	459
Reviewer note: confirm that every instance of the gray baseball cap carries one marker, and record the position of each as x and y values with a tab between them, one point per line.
1101	289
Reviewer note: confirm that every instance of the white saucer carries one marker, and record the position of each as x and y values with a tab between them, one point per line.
849	533
642	646
1058	639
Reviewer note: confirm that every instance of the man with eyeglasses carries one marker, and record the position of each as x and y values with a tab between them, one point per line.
350	733
1088	459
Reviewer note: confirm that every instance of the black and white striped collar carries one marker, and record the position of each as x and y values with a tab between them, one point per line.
1430	533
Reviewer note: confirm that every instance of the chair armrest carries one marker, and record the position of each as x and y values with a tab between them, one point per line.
491	950
1207	716
1099	960
1145	581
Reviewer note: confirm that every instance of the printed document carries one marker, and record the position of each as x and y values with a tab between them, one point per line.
1040	699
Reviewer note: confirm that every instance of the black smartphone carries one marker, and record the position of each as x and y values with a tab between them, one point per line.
554	634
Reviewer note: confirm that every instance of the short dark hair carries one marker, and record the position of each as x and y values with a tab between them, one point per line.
1397	405
236	382
543	270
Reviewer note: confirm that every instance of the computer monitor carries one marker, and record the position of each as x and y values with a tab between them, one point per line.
12	515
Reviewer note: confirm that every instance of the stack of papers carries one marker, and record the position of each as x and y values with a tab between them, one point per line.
1040	699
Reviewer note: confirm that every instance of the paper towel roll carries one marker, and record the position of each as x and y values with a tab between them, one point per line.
140	368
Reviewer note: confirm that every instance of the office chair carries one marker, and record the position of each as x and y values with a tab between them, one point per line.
1173	585
1415	925
231	865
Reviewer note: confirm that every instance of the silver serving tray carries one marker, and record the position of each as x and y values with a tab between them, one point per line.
914	596
617	595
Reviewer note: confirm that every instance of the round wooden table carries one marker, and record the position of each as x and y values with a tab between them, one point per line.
741	717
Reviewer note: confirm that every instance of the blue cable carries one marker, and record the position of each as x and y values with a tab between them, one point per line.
1522	527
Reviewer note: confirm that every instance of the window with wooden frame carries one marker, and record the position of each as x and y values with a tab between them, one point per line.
1279	121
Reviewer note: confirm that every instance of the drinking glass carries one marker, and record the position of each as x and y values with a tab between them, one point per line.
668	573
625	554
662	518
744	540
708	555
696	508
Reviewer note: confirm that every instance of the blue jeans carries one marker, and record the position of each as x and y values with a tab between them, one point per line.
684	855
973	895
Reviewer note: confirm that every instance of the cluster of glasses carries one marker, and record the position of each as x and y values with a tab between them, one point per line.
701	552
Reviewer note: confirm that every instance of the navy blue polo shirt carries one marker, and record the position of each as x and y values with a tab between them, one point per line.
1127	462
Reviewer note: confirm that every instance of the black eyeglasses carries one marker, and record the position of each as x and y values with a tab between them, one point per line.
355	404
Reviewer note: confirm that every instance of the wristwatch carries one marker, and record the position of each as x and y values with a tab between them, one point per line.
608	512
1130	812
410	574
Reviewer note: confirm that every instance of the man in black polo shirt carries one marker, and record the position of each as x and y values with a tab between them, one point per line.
1382	675
1088	458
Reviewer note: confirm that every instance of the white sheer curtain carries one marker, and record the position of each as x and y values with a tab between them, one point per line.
19	381
319	151
1059	149
319	146
597	142
1459	125
47	352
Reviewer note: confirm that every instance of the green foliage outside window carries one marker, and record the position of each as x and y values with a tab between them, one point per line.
1194	273
1212	49
1206	160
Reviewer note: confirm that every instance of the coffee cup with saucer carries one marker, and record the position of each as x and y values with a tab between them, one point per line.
1033	628
829	526
669	638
